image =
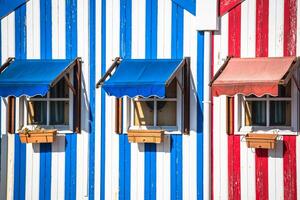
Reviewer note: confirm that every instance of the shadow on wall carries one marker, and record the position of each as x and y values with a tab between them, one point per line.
280	150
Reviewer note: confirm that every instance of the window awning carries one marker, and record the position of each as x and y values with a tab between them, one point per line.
140	77
258	76
32	77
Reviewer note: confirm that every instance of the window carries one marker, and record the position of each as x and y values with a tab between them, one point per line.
158	113
269	113
51	110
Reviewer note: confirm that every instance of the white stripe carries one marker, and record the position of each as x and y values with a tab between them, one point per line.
220	143
58	147
82	139
112	139
163	149
138	51
189	142
275	161
98	102
33	51
248	32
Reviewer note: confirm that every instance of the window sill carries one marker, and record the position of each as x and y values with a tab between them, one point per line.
281	131
169	130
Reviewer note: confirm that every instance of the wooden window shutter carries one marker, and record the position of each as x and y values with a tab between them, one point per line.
77	98
118	115
230	115
186	96
11	115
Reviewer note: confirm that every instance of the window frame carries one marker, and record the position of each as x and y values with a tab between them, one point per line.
129	112
64	129
239	109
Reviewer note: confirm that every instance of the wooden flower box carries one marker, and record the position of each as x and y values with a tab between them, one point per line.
38	136
145	136
263	141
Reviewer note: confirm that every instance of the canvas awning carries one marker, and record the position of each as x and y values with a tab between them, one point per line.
258	76
140	77
31	77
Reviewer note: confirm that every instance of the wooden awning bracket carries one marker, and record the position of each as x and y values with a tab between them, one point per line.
291	71
70	84
6	64
115	64
220	70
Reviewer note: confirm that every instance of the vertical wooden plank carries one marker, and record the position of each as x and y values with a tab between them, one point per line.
229	115
118	115
11	115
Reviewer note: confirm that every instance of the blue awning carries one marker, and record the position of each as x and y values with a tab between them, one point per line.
141	77
31	77
8	6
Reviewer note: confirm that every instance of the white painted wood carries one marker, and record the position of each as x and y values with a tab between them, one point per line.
138	51
58	147
163	162
112	139
207	15
247	156
220	143
82	139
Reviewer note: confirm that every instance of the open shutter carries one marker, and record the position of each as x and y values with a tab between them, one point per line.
230	115
77	98
11	115
186	97
118	115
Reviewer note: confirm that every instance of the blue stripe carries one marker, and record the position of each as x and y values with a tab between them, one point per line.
20	149
71	139
103	110
151	52
200	70
124	145
46	53
176	140
92	62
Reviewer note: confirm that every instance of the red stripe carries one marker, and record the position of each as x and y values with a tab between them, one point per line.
212	119
228	5
289	150
234	41
261	155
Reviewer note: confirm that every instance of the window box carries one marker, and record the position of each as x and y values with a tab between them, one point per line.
38	136
146	136
263	141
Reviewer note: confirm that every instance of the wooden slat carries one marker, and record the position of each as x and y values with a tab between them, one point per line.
118	115
11	115
229	115
109	71
77	97
186	97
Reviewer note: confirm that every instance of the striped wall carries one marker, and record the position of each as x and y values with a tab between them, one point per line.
98	164
254	28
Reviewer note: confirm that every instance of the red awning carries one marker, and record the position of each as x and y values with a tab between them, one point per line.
258	76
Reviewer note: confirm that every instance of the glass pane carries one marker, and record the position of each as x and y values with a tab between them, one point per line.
37	113
143	113
59	113
60	90
171	90
166	113
280	113
255	113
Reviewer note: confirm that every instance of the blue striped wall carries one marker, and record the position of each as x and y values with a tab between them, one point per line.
176	167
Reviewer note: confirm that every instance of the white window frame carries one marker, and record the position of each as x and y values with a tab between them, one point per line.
129	114
240	127
63	129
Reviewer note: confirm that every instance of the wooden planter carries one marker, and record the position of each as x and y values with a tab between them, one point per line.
145	136
38	136
263	141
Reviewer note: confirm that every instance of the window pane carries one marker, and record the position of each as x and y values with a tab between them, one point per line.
284	91
255	113
171	90
166	113
280	113
37	113
143	113
60	90
59	113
